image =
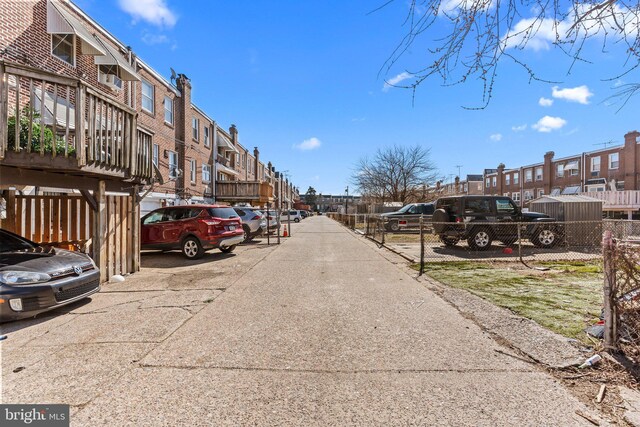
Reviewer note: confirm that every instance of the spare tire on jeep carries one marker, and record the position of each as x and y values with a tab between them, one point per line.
439	219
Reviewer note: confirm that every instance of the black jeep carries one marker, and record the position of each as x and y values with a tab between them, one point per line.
482	219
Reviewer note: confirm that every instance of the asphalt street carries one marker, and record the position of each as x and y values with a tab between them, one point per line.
321	330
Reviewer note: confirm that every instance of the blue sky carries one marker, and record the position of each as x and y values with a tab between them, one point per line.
301	81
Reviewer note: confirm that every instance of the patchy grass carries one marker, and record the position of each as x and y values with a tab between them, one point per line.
565	299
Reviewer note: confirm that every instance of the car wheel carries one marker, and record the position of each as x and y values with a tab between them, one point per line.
246	236
480	239
449	241
191	248
439	219
545	238
296	220
394	226
228	250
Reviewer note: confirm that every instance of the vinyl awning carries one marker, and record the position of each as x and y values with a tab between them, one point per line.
59	21
113	57
572	166
225	143
222	168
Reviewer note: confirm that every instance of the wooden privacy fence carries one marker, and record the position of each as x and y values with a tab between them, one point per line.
69	220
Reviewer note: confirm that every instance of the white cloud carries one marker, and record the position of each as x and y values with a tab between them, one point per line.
496	137
152	39
519	128
545	102
619	83
395	80
358	119
308	144
548	124
580	94
154	12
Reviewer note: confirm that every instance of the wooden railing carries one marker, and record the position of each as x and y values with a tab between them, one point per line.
624	199
244	190
223	161
56	116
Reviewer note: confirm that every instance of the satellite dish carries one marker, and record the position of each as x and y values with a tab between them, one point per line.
174	76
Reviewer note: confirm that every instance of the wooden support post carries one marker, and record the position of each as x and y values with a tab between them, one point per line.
610	308
9	223
134	222
99	230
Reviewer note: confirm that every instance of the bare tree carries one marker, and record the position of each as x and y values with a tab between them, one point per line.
395	173
479	34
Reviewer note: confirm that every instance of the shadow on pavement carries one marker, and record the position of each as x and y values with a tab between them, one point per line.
171	259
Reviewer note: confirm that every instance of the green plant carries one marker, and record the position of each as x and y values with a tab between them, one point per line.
49	141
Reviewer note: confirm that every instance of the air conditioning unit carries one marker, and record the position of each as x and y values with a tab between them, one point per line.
111	80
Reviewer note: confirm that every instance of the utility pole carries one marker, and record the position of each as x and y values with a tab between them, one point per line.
346	201
459	167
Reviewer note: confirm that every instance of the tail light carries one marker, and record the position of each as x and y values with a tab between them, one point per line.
458	219
212	225
256	217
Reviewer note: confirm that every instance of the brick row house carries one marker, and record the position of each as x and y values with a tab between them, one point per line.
193	159
611	174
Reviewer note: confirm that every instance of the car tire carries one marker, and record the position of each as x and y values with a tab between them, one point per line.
296	220
394	226
439	219
247	234
228	250
449	241
480	239
192	248
545	238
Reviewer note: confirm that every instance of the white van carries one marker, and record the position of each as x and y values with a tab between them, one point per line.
292	215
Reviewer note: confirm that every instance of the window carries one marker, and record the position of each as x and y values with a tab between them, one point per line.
488	184
516	197
155	216
481	206
528	175
63	47
516	178
147	96
110	76
173	164
195	124
527	195
540	193
538	174
494	181
595	164
206	173
614	160
560	170
168	110
206	136
505	194
505	206
507	179
156	154
194	170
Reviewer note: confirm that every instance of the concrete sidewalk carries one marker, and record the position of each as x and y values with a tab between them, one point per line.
322	330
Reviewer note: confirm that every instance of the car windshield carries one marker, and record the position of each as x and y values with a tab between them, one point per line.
224	213
10	243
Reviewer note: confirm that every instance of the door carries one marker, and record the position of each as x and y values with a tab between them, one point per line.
152	223
506	217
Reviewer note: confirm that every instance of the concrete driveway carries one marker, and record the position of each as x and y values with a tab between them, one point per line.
321	330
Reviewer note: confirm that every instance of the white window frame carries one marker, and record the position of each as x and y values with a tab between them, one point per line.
541	176
206	136
527	195
195	128
144	97
615	162
169	110
596	165
507	179
494	181
206	174
173	167
559	170
528	175
73	48
540	192
156	155
516	178
505	194
193	170
516	196
488	183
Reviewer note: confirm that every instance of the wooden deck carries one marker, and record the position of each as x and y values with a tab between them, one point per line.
624	200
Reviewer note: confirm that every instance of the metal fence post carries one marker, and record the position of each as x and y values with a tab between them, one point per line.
610	308
421	246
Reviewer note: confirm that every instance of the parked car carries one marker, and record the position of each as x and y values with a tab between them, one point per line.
272	220
192	228
293	215
304	214
34	279
254	222
408	216
482	219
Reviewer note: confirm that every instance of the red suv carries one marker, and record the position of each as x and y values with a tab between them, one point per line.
192	229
